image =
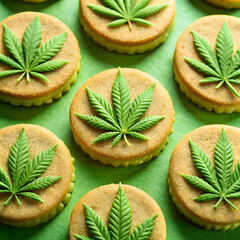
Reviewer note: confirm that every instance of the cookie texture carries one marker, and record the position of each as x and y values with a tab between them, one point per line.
225	3
140	39
36	92
56	196
122	154
101	199
206	95
204	214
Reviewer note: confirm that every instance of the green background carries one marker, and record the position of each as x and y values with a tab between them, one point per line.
150	177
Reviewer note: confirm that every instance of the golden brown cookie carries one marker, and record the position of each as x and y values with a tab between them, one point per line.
206	95
207	214
225	3
101	200
121	154
123	40
36	92
55	196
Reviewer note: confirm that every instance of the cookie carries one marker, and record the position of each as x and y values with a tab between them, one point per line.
40	167
43	83
100	200
203	76
225	3
197	166
145	144
135	37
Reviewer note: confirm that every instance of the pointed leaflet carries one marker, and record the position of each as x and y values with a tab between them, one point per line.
139	20
119	221
117	139
13	45
224	47
144	123
37	166
206	51
31	195
39	183
105	136
121	97
140	105
204	165
18	158
104	11
102	106
97	122
10	62
236	174
9	72
223	160
49	66
112	4
117	22
235	62
140	5
144	230
206	197
147	11
4	180
200	183
202	67
49	49
39	75
95	225
137	135
32	40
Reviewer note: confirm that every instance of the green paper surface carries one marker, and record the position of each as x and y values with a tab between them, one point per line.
150	177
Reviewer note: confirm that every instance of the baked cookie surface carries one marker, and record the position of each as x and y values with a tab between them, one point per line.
56	196
122	154
225	3
123	40
101	200
36	92
208	214
206	95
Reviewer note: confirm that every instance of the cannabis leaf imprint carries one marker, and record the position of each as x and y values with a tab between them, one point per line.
24	173
31	59
119	222
220	183
124	118
126	11
222	68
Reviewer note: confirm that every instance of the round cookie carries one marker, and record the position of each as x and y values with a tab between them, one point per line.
37	91
101	200
206	95
225	3
55	196
210	214
123	40
121	154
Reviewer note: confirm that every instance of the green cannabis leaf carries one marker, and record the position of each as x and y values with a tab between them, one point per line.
124	118
220	183
222	68
127	11
119	222
30	58
24	173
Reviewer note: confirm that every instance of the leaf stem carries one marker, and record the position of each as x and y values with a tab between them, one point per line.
125	138
9	199
28	77
21	77
19	203
219	201
231	204
130	25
